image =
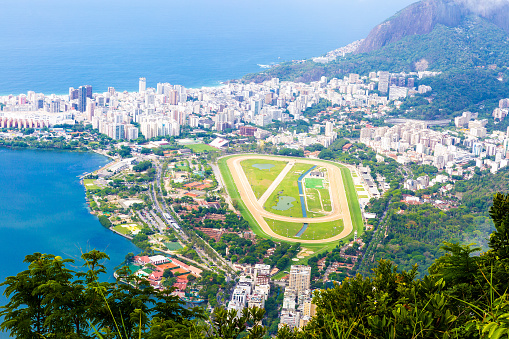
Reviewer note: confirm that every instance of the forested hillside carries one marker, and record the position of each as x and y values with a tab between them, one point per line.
474	43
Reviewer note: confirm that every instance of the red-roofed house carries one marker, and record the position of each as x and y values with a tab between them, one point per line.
180	286
142	260
156	276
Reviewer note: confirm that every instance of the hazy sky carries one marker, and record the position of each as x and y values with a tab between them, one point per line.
118	19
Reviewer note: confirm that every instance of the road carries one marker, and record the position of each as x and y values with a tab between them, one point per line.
164	210
339	202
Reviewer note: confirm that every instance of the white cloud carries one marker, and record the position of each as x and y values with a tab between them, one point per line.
483	7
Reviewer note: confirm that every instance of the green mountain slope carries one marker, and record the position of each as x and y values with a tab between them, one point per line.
475	42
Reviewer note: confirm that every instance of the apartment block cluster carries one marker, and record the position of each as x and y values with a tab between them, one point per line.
163	110
252	289
300	140
415	142
298	307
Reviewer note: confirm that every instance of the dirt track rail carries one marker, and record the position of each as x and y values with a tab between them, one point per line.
339	200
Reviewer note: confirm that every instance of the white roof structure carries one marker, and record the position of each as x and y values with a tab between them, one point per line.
219	143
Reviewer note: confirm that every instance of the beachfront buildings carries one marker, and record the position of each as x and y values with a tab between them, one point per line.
164	110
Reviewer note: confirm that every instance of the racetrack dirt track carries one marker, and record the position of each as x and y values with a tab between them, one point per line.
339	200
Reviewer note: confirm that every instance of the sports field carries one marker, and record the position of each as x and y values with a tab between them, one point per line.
313	231
261	173
127	229
344	208
90	184
200	148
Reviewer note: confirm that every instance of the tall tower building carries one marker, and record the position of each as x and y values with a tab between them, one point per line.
383	82
90	110
173	97
82	98
89	91
142	85
328	128
300	278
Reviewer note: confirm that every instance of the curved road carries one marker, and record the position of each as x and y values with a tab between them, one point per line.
339	201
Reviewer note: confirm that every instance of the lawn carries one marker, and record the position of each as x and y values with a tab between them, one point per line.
315	198
363	196
128	229
317	231
173	246
313	183
288	188
90	184
353	202
359	189
261	179
200	148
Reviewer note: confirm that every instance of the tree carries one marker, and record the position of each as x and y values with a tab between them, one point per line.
499	212
44	300
168	273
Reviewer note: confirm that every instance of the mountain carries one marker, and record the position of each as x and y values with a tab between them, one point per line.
422	17
435	35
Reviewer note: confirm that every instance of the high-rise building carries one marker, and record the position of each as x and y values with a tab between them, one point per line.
142	85
173	97
82	98
383	82
89	91
328	128
300	277
73	93
90	110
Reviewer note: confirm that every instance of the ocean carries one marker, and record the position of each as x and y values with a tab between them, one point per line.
43	209
49	46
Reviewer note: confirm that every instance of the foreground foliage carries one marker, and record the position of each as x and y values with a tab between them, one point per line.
463	296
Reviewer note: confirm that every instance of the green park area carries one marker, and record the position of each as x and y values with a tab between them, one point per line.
90	184
200	148
313	183
261	173
285	199
173	246
314	231
127	229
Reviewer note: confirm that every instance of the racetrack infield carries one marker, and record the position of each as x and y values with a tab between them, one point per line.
344	204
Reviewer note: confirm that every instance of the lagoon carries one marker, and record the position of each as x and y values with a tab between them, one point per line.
43	209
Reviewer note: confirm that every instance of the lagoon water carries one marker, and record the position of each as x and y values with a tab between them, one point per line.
43	209
49	46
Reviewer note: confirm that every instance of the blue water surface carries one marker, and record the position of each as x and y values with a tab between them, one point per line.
43	209
48	46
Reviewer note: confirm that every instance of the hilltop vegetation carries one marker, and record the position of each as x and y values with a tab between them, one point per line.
475	42
462	296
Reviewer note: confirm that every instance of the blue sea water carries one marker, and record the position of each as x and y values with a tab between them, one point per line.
43	209
49	46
